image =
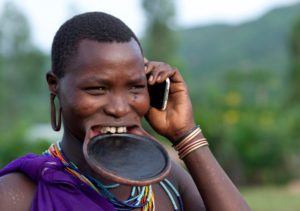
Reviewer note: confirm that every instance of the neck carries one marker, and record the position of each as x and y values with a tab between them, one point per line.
73	150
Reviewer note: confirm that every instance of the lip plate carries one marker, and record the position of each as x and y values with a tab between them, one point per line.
127	158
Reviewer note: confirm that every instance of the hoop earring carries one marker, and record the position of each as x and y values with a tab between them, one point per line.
55	125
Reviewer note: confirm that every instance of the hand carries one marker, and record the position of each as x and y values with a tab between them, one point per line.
178	116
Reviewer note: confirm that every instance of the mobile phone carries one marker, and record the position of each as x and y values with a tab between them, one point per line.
159	93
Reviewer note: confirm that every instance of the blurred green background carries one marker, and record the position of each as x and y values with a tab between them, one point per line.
244	82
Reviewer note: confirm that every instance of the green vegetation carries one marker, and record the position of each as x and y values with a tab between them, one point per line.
243	79
271	198
160	18
23	97
210	51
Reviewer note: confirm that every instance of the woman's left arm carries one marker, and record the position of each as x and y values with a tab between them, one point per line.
215	187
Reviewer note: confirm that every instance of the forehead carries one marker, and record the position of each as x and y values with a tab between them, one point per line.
104	55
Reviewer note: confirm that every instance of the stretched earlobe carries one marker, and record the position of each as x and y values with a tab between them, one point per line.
56	125
52	81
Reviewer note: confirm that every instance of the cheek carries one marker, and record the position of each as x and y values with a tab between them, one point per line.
141	104
77	106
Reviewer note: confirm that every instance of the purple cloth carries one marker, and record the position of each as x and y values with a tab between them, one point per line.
56	189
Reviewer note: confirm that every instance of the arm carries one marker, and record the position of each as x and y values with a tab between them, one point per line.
216	189
186	187
16	192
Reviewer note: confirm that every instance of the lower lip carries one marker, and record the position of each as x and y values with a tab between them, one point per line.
135	131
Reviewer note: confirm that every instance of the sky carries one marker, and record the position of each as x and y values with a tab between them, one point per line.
45	16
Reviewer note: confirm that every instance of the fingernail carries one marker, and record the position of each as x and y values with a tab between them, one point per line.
151	78
159	77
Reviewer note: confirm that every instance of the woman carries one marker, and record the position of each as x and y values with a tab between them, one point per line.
100	77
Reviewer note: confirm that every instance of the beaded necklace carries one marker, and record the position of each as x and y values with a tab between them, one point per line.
140	197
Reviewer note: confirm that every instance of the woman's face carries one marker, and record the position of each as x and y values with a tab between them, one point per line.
104	88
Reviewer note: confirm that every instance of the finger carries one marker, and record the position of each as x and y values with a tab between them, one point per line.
146	64
158	66
151	65
153	77
153	69
158	72
176	77
162	76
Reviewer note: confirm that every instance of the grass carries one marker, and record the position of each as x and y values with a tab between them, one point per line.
270	198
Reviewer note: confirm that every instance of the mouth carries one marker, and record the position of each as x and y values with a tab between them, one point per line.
101	130
112	129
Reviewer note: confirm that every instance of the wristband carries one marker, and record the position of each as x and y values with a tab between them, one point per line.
183	136
188	144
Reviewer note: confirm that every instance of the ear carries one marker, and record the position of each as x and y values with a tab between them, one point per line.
52	81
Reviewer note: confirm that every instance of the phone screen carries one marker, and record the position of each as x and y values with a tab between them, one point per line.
159	93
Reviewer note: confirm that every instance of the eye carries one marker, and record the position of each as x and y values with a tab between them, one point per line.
97	90
137	88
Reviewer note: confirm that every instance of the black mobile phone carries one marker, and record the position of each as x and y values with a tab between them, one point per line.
159	93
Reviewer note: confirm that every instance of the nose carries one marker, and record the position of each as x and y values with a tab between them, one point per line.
117	106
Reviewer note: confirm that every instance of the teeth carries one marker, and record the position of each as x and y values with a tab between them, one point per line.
104	130
120	130
113	130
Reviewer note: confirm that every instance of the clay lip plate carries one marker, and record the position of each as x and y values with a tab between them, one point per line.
127	159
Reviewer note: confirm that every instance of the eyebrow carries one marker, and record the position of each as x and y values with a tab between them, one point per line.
96	79
138	79
133	80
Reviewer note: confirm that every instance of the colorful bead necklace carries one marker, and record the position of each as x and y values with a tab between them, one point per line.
140	197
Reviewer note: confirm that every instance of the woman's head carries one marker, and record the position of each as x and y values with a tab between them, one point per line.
98	75
97	26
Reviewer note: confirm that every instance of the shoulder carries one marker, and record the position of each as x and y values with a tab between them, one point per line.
16	192
180	177
190	195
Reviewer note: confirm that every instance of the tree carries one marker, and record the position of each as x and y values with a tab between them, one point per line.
292	109
159	41
294	81
21	65
294	76
21	89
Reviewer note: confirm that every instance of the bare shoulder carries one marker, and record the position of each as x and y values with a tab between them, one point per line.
190	195
16	192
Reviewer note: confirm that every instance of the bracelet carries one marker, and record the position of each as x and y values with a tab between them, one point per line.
193	146
188	138
183	136
188	144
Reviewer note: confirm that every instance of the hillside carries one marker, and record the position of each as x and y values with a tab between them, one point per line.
209	51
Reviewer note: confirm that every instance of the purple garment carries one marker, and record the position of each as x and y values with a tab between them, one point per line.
56	189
